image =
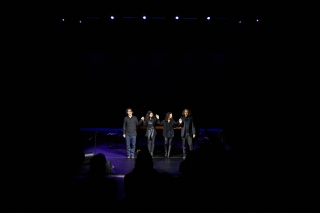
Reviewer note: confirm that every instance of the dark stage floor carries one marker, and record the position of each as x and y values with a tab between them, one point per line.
111	143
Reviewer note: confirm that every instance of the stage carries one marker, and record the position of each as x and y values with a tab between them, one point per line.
111	143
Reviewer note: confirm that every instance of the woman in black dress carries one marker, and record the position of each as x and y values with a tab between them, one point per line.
168	132
150	122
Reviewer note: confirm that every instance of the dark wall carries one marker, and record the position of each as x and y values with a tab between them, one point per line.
74	75
161	66
159	81
79	72
58	80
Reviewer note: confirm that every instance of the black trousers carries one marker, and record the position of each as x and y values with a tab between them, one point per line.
151	139
167	140
184	139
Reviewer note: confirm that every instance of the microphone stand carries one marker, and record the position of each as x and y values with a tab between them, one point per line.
95	142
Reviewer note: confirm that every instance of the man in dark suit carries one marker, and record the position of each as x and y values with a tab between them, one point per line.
188	130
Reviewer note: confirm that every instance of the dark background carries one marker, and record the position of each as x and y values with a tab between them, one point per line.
252	79
241	76
102	67
67	75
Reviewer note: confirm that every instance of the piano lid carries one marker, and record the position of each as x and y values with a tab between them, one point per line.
157	127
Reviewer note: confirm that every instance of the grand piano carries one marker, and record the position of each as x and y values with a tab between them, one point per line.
160	127
141	130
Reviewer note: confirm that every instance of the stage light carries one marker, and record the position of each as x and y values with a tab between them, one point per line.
112	17
144	17
80	21
63	19
177	17
257	20
239	22
208	18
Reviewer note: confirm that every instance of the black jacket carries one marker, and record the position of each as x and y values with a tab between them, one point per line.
130	125
192	128
154	122
168	128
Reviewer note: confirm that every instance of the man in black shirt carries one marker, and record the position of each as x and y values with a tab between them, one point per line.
188	130
130	124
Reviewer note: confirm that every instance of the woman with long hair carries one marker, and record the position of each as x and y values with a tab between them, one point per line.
150	122
168	132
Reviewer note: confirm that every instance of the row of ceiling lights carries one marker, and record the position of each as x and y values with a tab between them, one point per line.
176	18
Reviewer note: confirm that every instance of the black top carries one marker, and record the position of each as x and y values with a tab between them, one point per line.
151	125
188	126
168	128
130	125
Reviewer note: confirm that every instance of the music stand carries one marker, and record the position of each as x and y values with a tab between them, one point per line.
95	141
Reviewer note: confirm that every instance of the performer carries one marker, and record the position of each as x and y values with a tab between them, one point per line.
150	122
188	130
130	124
168	132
